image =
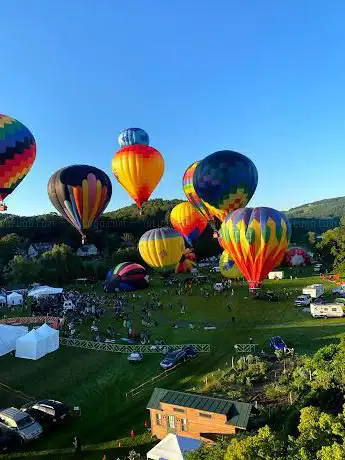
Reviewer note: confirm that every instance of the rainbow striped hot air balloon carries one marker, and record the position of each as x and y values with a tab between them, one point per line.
256	239
80	193
227	266
192	197
17	155
225	180
127	276
188	221
161	247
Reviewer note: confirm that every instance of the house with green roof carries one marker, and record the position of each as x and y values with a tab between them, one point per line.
196	416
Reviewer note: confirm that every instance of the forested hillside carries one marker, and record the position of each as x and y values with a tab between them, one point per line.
332	207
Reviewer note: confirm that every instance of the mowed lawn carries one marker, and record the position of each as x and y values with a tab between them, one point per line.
98	381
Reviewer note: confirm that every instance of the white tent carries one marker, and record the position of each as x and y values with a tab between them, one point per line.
52	336
44	291
14	299
173	447
32	346
9	336
2	300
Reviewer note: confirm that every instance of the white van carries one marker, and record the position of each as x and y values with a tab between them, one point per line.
328	310
315	290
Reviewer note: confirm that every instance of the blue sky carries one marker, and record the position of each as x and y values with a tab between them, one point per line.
265	78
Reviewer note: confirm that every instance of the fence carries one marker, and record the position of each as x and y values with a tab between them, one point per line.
119	348
245	347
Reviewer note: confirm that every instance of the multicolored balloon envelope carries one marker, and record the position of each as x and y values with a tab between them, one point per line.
227	266
80	193
296	257
132	136
161	247
138	168
256	239
192	197
187	262
188	221
17	154
127	276
226	181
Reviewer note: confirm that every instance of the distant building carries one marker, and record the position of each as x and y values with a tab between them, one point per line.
196	416
37	249
87	250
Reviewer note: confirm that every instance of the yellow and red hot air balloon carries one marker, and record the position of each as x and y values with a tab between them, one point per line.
187	262
188	221
17	155
256	239
161	247
137	166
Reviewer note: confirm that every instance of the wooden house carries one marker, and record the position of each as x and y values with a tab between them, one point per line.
195	416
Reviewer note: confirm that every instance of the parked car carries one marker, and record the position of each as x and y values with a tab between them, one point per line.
47	412
190	351
303	300
269	296
135	357
171	359
10	440
277	343
340	290
14	419
340	301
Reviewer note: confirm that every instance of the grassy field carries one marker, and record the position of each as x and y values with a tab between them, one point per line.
97	381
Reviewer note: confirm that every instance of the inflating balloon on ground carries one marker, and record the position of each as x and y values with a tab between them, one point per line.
296	257
227	266
127	276
256	239
187	262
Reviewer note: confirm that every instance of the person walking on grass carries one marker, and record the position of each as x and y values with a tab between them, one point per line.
77	447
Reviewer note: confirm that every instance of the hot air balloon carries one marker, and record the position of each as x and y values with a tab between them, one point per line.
256	239
132	136
127	276
192	197
80	193
17	155
227	266
138	168
187	262
296	257
226	181
161	247
188	221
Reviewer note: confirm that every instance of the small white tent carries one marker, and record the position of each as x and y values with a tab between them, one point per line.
32	346
9	336
173	447
2	300
14	299
52	336
41	291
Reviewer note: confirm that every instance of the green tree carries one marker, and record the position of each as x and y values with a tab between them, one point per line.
60	265
214	451
23	271
11	245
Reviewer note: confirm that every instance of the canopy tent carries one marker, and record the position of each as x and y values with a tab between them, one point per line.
173	447
15	299
52	336
9	336
44	291
3	300
32	346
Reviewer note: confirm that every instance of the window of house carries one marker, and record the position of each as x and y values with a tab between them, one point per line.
171	422
176	409
158	419
183	424
202	414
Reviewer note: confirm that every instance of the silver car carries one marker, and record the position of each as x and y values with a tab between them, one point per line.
20	422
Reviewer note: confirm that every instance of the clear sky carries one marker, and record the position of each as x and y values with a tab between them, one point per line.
265	78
